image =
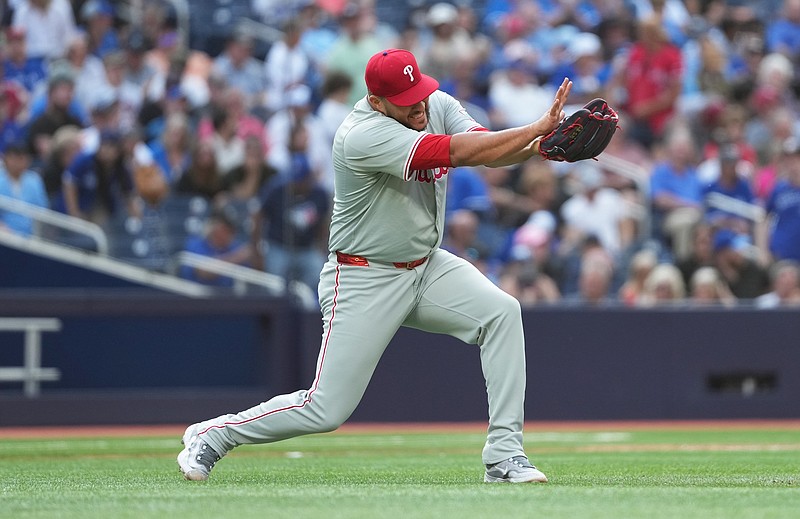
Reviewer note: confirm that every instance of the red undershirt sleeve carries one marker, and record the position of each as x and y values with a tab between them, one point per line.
433	151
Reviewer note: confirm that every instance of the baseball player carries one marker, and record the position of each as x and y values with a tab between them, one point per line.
392	156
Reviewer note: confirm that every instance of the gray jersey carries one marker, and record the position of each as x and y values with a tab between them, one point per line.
383	210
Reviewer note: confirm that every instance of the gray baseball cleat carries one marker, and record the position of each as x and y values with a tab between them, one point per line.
514	470
197	457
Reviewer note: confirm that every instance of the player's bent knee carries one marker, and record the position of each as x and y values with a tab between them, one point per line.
507	305
329	425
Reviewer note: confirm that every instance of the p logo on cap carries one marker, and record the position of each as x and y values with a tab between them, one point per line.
394	75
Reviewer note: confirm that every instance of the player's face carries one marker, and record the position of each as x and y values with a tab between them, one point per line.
414	117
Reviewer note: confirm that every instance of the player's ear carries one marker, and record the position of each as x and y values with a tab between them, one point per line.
376	103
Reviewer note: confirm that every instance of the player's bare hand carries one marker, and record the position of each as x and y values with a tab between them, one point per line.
550	120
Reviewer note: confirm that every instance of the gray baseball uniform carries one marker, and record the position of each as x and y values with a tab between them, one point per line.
385	216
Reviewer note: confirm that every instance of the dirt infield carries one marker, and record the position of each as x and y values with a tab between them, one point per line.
366	428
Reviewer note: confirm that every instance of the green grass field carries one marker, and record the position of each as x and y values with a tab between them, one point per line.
613	472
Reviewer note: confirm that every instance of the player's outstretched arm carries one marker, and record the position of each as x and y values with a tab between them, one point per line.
510	146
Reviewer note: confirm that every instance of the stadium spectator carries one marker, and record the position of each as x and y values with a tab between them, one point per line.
664	286
318	35
625	147
772	93
785	284
131	96
286	66
784	206
17	181
706	77
247	181
780	128
448	42
538	186
66	145
48	26
652	80
60	89
155	113
529	274
595	279
172	151
11	106
733	259
241	70
232	101
731	184
202	177
352	49
228	146
706	288
170	58
585	67
104	116
280	128
702	252
138	71
641	265
469	22
149	180
461	238
596	210
677	193
331	112
88	69
293	221
514	93
98	17
29	72
467	189
218	241
783	33
97	183
468	85
729	130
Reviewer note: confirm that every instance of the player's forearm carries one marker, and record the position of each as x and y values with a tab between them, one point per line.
529	151
499	148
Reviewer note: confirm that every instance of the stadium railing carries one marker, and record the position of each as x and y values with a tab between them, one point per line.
56	219
31	373
242	276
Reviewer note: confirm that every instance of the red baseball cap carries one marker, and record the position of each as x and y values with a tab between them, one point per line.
394	74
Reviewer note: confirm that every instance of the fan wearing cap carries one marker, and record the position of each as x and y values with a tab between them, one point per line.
386	269
783	205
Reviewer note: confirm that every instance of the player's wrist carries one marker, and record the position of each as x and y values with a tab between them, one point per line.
535	147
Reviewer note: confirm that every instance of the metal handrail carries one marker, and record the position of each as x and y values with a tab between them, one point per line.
57	219
735	206
243	275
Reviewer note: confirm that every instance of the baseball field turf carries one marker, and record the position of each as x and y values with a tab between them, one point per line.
679	470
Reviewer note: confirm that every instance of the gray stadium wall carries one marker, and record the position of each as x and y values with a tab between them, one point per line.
143	357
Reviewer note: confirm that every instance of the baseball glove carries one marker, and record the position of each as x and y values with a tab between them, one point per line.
582	135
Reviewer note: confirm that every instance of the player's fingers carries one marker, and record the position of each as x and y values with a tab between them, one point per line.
568	89
558	101
561	99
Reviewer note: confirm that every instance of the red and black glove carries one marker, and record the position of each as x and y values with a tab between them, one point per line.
582	135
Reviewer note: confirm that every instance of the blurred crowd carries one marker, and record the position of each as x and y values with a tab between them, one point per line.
105	110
